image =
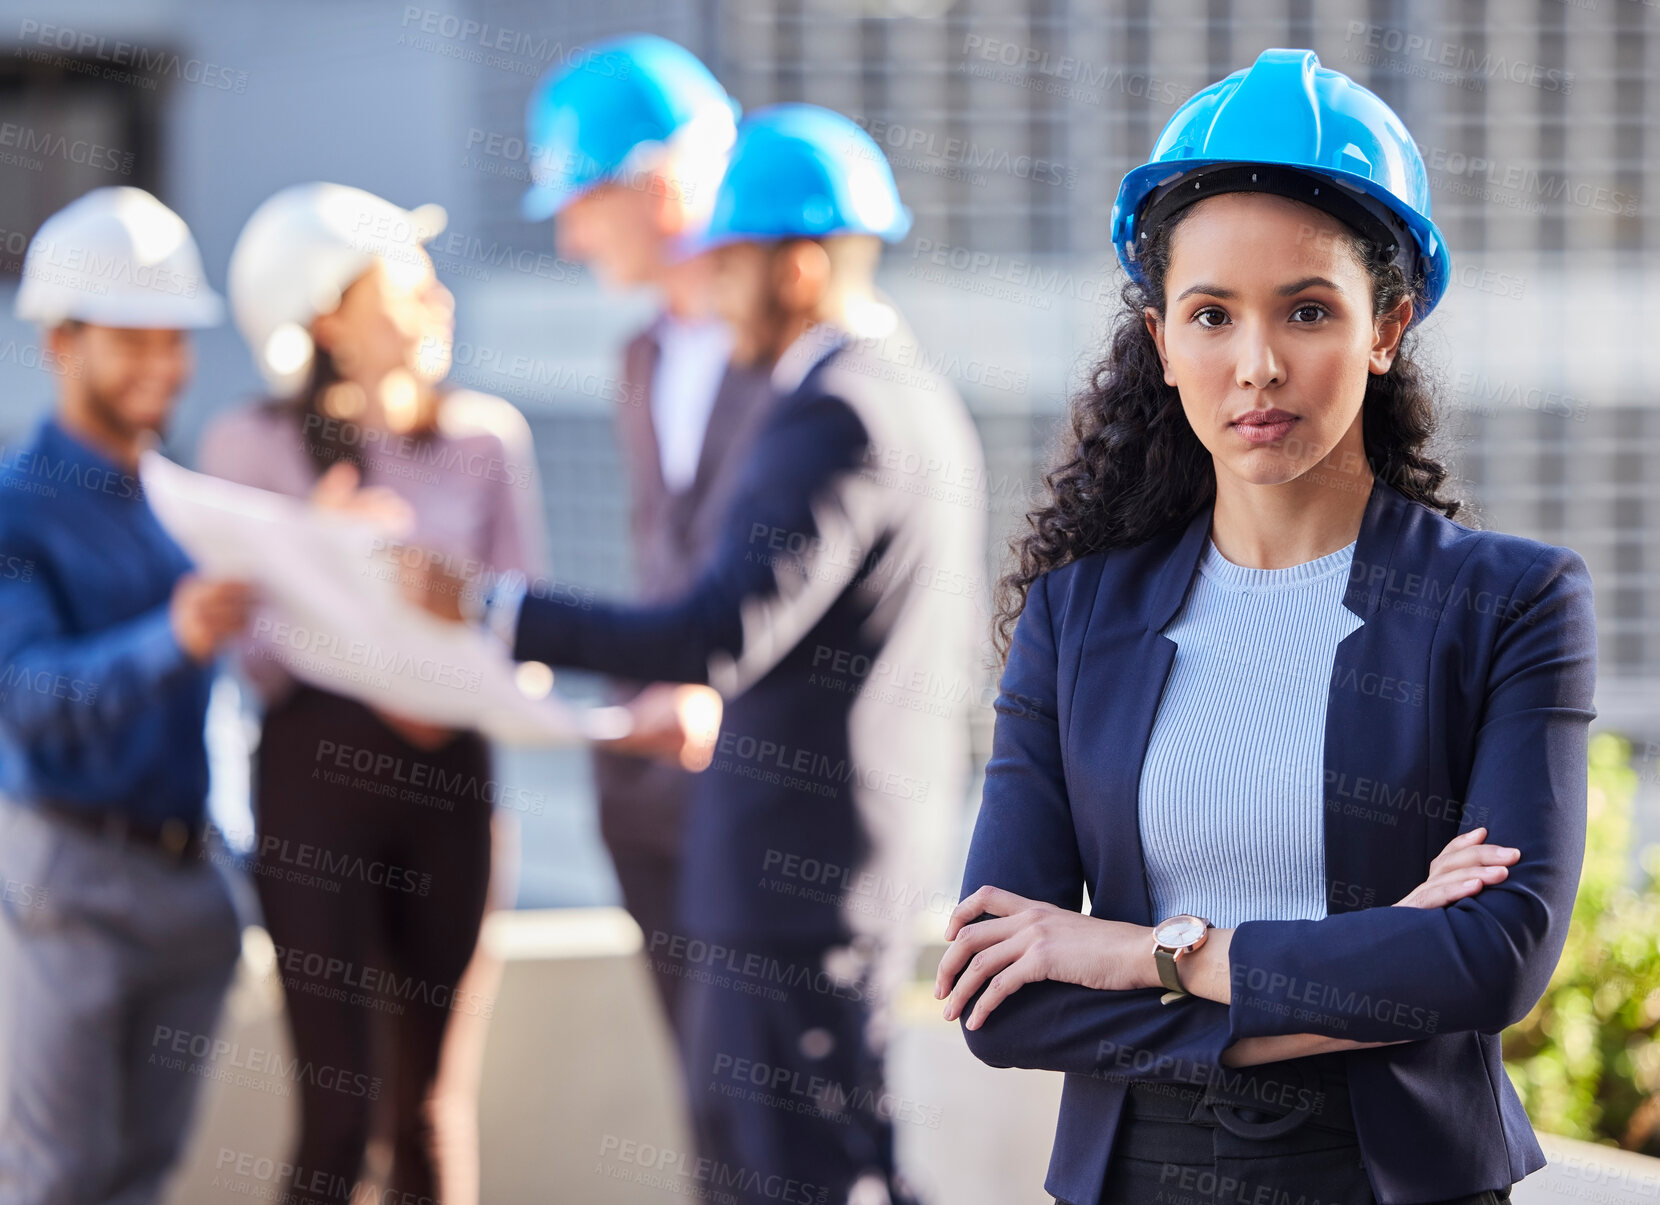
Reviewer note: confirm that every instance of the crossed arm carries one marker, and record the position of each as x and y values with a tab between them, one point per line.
1038	984
1027	940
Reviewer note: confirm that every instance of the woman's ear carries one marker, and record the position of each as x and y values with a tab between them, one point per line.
666	205
803	275
1155	328
1387	333
323	331
327	335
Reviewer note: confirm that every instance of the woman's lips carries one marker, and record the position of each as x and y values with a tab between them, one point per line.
1265	433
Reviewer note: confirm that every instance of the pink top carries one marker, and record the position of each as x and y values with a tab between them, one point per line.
473	487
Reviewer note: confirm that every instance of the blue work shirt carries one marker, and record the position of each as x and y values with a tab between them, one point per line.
100	707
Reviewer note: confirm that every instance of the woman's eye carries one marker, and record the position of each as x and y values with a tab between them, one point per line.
1210	309
1318	310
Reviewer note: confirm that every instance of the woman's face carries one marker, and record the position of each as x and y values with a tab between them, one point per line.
1268	335
392	318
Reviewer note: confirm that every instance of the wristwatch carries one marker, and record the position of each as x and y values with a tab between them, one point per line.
1173	937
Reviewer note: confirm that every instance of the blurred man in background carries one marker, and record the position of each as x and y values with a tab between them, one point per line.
840	617
628	147
117	938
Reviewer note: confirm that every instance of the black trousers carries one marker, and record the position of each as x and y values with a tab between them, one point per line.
373	867
1172	1148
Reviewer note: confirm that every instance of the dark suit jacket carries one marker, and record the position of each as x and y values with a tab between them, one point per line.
840	617
642	801
1464	699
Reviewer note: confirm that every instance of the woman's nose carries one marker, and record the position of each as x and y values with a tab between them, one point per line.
1259	365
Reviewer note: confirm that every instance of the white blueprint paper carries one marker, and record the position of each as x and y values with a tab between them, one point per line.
331	613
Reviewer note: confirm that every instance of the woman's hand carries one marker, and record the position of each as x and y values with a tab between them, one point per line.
1026	941
673	722
341	491
1462	869
417	732
426	582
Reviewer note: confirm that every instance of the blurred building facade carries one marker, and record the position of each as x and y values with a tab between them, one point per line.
1009	124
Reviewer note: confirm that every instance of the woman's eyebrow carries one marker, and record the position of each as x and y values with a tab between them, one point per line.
1309	282
1297	286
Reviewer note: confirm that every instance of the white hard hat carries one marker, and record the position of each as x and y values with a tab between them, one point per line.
299	253
116	257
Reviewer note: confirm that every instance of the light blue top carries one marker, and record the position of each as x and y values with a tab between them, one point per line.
1230	800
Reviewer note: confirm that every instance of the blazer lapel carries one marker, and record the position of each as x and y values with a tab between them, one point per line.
726	417
1375	715
639	371
1125	666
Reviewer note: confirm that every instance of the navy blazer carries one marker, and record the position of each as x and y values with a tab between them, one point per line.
1464	699
843	585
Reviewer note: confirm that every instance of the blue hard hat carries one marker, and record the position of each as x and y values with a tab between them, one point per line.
1290	126
587	117
805	171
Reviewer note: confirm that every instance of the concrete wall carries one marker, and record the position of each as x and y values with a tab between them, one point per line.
580	1103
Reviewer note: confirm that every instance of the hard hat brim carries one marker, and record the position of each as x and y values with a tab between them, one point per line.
1140	183
541	202
201	311
690	245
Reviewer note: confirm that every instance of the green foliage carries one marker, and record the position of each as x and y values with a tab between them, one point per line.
1586	1060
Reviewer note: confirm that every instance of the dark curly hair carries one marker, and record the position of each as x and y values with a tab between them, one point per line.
1134	468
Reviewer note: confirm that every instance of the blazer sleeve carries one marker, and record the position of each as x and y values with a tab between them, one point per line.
803	522
1387	973
1024	842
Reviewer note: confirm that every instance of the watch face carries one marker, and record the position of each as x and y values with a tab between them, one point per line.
1179	931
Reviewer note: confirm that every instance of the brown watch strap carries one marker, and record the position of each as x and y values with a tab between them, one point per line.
1166	962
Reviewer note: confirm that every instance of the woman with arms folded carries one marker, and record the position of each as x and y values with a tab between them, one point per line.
1315	749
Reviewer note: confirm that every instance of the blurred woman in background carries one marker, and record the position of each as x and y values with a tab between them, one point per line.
337	297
